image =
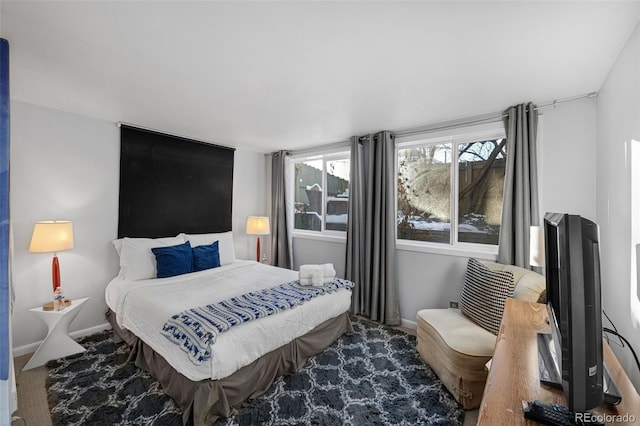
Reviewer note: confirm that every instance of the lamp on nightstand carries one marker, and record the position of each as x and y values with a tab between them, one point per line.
52	236
258	225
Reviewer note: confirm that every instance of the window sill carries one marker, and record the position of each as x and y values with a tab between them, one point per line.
461	250
321	236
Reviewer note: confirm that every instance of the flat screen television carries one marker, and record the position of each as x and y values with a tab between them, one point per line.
572	262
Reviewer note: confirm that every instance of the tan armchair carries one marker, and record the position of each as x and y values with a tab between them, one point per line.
457	349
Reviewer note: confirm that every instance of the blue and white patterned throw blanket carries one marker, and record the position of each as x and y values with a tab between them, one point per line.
196	329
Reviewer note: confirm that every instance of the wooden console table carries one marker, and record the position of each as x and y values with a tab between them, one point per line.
514	377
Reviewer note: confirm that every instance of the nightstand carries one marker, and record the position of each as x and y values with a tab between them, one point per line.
57	344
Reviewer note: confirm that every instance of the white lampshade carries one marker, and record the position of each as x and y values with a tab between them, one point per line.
258	225
51	236
536	246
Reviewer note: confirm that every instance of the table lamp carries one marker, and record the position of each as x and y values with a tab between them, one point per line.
258	225
52	236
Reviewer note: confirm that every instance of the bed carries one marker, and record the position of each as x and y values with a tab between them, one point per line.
244	360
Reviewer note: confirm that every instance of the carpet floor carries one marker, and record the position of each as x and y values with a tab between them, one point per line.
372	376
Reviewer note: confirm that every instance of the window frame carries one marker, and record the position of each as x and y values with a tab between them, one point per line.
343	153
455	137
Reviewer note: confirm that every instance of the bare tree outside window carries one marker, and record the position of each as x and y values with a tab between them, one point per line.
425	191
481	184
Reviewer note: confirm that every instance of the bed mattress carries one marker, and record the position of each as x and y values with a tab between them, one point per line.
143	306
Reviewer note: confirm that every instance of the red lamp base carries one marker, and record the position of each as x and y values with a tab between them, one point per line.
55	272
258	251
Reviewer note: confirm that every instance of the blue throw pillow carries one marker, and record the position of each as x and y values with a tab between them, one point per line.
173	260
206	257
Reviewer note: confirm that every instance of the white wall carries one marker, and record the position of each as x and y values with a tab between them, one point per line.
249	199
308	251
568	158
63	166
618	126
567	184
66	166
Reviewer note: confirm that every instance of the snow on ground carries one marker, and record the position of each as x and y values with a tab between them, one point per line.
470	223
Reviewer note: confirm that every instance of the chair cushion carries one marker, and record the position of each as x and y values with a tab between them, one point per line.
459	332
484	293
530	286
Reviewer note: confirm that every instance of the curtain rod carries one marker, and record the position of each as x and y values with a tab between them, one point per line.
319	150
449	124
443	125
484	118
569	99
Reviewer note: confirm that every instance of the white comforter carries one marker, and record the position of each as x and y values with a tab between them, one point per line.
144	306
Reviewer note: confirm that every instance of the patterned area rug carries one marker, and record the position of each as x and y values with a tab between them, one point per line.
100	387
373	376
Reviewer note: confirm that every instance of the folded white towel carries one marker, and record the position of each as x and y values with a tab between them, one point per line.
316	280
316	275
326	270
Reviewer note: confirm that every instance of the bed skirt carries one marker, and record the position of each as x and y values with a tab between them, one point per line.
205	401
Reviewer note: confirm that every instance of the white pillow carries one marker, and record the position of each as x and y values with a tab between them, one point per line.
225	246
118	245
137	261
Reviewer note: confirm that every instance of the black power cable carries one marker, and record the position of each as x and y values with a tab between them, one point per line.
608	330
614	331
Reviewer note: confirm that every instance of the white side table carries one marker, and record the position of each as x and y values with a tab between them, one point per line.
57	344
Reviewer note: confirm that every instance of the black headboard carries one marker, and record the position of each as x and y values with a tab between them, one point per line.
170	184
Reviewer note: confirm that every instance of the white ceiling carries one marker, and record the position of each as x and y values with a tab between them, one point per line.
272	75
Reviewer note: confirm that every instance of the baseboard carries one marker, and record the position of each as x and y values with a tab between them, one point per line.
409	324
32	347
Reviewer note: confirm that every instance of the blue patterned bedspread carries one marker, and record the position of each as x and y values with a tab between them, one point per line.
196	329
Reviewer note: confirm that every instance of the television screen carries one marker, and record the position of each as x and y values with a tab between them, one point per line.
572	264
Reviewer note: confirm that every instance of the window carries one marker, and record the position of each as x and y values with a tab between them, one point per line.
449	188
317	209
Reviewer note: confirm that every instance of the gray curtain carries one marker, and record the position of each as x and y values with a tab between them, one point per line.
520	204
281	252
370	260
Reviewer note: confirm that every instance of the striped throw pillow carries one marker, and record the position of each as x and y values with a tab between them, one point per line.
484	294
